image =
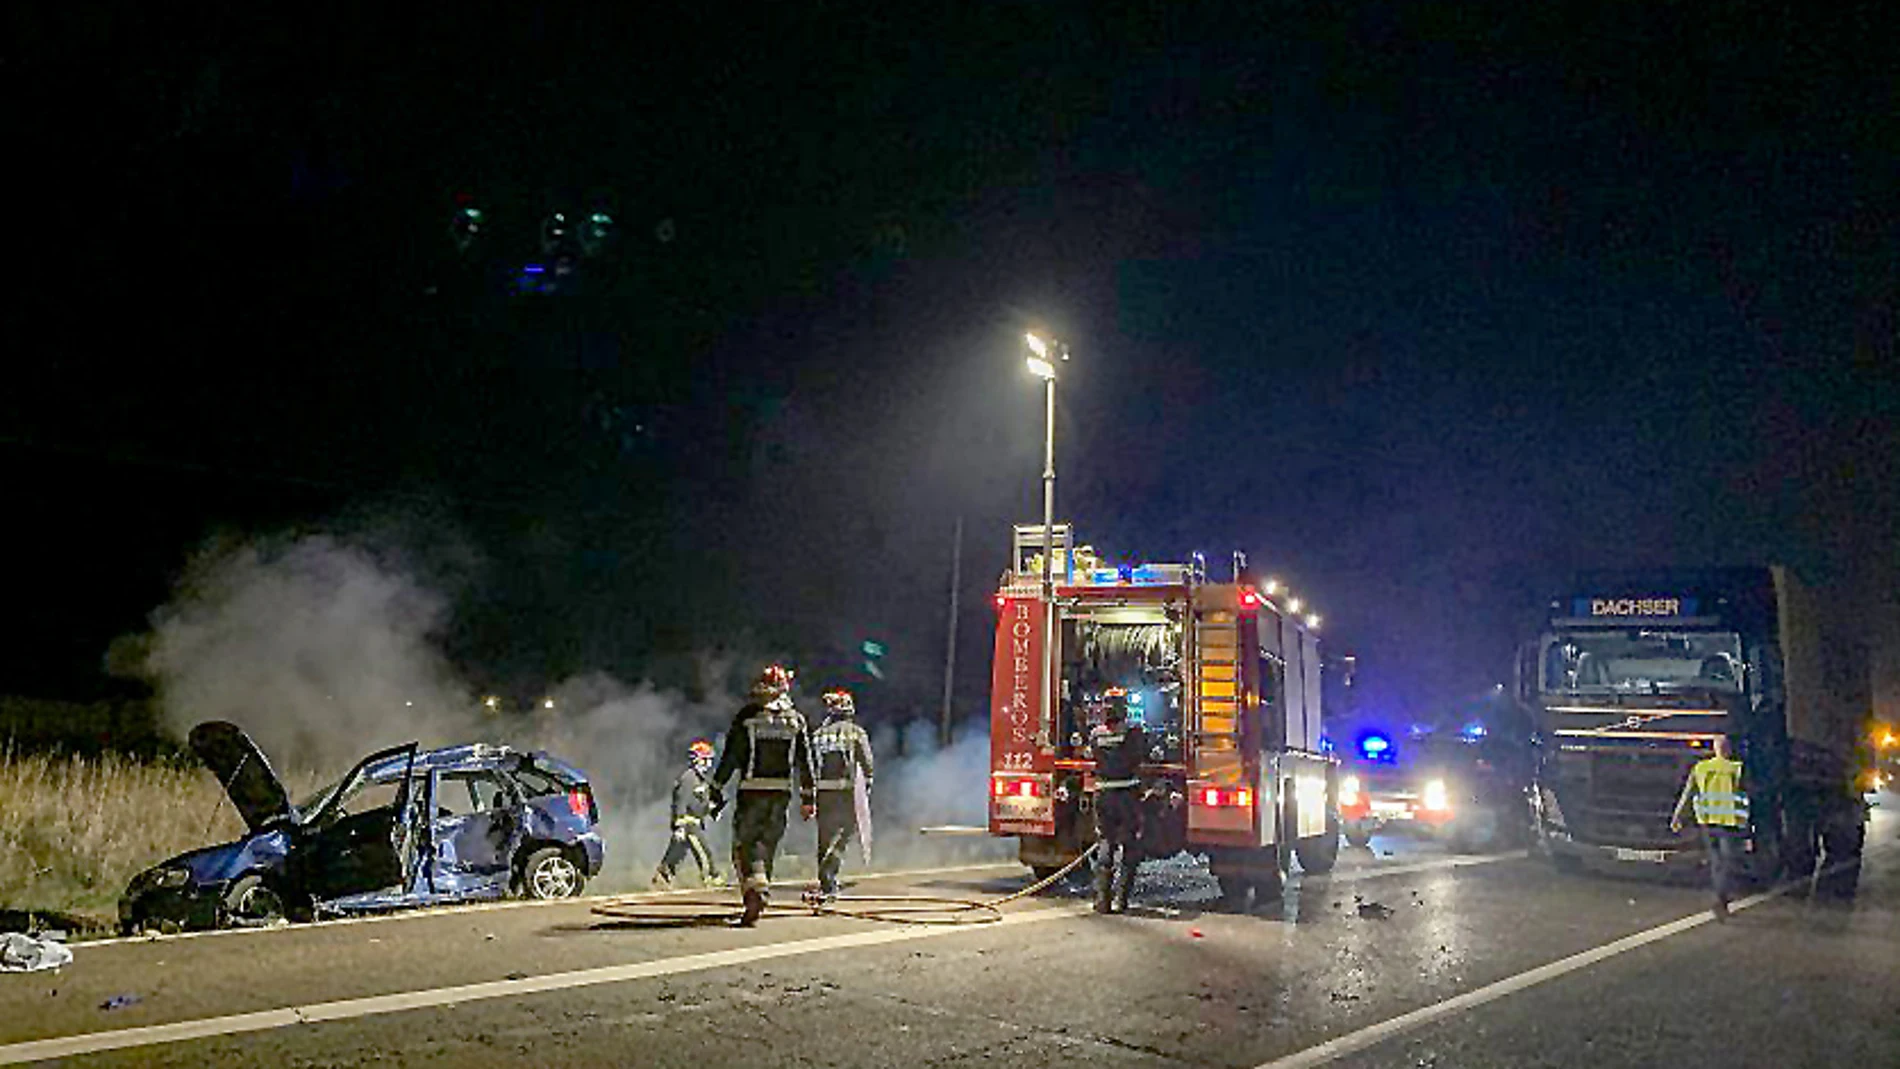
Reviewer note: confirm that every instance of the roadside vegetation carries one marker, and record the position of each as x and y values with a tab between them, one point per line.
75	828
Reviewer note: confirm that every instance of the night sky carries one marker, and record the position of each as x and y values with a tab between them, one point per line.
1425	306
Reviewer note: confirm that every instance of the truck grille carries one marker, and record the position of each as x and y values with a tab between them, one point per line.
1622	799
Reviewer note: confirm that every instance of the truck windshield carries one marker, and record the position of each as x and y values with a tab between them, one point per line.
1642	662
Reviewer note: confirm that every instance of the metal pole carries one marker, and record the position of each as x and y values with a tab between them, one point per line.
950	643
1048	556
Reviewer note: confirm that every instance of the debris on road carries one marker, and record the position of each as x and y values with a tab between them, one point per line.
24	953
119	1002
1377	911
1194	933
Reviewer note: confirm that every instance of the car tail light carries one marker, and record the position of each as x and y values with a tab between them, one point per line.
582	803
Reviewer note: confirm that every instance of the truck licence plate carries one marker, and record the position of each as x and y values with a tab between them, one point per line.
1657	856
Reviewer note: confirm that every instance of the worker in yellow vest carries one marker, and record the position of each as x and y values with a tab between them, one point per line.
1721	809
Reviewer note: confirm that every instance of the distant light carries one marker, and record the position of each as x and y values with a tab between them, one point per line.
1312	620
409	703
1293	606
1043	369
534	269
1272	587
1475	731
1037	345
547	703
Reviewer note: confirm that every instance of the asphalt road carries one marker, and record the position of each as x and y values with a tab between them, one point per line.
1479	962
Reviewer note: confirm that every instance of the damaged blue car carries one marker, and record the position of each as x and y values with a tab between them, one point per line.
406	827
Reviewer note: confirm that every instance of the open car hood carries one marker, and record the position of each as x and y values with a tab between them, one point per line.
256	792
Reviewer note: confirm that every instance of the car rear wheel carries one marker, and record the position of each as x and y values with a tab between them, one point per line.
1358	834
251	902
550	873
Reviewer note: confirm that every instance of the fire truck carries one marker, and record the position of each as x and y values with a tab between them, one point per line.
1223	677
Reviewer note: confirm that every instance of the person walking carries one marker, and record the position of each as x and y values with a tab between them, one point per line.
769	748
843	753
1119	751
1714	787
695	801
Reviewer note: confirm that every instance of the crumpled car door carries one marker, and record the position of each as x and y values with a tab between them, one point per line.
339	852
474	851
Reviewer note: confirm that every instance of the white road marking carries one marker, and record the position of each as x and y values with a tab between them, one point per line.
1372	1035
1456	861
347	1009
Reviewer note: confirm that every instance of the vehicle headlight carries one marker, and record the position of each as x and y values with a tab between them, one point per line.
1436	796
1349	791
164	879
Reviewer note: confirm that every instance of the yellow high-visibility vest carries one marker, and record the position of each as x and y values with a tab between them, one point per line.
1719	798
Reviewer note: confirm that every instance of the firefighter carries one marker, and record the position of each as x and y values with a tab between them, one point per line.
1721	809
1119	750
695	801
843	752
769	749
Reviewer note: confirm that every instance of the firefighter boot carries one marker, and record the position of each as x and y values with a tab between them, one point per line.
1124	884
714	879
1104	879
754	897
662	881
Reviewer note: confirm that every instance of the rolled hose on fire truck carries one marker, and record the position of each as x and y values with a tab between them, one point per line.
897	909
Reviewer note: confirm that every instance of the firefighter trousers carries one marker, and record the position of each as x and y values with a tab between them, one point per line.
758	823
1118	830
686	839
837	826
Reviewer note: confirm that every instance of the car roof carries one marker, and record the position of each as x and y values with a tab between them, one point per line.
475	757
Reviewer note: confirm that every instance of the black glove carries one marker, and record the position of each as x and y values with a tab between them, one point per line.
718	801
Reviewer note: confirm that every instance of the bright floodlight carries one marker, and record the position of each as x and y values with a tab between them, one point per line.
1043	368
1312	621
1037	345
1293	606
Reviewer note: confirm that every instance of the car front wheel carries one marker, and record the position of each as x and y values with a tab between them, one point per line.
550	873
251	902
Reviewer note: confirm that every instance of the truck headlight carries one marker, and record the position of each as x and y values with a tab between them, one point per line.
1349	791
1436	796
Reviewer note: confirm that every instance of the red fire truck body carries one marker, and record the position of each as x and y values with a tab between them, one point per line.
1224	678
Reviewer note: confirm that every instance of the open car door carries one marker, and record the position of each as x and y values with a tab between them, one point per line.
363	838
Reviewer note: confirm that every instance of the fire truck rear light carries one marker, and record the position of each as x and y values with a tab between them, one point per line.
999	787
1026	788
1249	599
1211	798
1243	798
1001	601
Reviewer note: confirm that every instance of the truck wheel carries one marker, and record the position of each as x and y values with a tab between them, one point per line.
1799	849
1233	891
1841	841
1318	853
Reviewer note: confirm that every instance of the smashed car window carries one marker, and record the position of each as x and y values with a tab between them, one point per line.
460	794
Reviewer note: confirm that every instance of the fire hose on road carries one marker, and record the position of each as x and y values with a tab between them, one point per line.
896	909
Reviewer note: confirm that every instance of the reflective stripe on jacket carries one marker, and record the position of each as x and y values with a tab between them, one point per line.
1719	798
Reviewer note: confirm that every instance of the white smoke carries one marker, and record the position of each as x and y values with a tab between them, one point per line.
325	647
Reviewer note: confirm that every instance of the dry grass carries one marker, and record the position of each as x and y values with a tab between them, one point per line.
74	830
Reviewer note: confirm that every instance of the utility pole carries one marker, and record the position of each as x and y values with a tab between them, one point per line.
950	642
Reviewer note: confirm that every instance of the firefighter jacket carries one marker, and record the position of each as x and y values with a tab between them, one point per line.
692	796
1719	799
769	748
1119	752
841	748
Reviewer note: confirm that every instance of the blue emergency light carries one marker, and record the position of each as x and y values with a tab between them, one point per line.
1374	745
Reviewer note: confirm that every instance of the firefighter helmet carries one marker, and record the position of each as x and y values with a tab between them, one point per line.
839	703
700	750
772	683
